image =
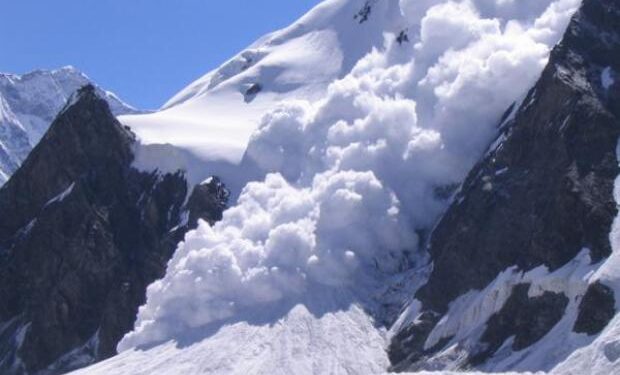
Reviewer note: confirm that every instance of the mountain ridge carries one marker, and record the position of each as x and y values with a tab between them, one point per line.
370	226
29	103
82	235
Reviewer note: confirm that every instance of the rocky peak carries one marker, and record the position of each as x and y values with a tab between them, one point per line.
541	195
84	137
28	105
82	235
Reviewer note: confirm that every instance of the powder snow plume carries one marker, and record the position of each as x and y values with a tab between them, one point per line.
350	178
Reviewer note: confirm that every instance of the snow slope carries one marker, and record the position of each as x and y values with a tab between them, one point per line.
352	159
28	105
206	127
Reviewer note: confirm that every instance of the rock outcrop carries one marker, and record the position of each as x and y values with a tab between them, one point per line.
596	310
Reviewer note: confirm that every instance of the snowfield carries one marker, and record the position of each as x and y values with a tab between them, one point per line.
336	161
318	337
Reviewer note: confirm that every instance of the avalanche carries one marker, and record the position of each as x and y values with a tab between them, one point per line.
206	128
354	150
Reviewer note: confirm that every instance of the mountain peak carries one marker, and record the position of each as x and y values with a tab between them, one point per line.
82	235
539	206
34	99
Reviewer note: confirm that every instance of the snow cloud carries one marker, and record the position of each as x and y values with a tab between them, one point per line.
350	178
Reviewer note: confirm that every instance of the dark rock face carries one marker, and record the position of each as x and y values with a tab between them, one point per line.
207	201
596	310
527	319
402	37
407	346
544	191
82	235
252	91
364	13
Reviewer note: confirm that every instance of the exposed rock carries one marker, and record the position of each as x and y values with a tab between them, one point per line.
545	189
82	235
407	346
207	201
596	310
402	37
525	319
445	192
252	91
363	14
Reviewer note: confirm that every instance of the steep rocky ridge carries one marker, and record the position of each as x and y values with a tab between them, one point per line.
28	105
82	234
541	195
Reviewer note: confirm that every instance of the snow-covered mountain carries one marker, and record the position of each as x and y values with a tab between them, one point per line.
28	105
353	174
211	121
416	185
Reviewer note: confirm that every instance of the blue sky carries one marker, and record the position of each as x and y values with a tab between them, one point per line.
143	50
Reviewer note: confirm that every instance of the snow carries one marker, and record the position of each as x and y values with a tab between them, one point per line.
607	78
467	317
334	208
207	181
253	259
14	143
598	358
471	311
469	373
25	230
14	331
335	166
79	357
311	338
220	134
206	128
61	197
209	123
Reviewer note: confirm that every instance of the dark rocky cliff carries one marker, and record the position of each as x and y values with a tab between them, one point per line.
542	194
82	234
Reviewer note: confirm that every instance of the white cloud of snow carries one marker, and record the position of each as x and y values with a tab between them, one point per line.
349	178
